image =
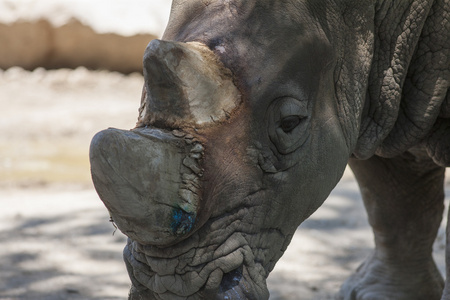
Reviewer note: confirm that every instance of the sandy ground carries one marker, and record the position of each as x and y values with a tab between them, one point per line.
55	238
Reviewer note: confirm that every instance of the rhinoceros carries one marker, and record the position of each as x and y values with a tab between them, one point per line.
250	112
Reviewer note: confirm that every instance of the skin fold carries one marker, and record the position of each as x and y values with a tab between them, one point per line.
250	112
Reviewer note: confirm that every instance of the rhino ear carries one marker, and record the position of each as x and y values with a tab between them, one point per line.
185	83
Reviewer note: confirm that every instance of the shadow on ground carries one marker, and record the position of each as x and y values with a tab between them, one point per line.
55	251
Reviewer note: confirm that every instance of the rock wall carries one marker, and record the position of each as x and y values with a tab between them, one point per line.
68	34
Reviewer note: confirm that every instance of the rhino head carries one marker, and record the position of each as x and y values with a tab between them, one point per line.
238	141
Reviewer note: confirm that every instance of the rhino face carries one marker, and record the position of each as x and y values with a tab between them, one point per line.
237	143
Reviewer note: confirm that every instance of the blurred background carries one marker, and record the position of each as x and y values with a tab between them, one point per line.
68	69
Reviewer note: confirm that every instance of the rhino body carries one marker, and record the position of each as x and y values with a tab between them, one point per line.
250	112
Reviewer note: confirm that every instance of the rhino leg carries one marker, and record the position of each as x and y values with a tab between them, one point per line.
403	197
446	294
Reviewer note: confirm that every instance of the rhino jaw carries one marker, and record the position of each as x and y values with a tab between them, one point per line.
149	180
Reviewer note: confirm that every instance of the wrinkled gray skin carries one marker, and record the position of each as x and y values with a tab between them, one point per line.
250	112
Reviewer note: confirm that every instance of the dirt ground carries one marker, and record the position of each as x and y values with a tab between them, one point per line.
55	238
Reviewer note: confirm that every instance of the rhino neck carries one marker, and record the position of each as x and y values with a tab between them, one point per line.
408	86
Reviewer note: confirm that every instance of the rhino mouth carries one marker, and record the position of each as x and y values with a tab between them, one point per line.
222	278
231	279
234	284
193	270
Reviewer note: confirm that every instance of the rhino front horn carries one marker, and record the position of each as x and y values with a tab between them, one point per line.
185	85
150	182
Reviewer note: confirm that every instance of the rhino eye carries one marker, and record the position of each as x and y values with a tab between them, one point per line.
287	124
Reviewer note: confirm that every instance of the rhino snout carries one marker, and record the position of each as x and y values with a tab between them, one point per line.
149	180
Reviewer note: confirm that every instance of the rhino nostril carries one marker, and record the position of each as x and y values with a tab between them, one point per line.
182	221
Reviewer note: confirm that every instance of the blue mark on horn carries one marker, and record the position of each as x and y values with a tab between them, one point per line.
182	221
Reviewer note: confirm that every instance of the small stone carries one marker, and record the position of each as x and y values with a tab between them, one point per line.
314	288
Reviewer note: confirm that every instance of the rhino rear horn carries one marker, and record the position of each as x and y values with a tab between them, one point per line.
185	84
